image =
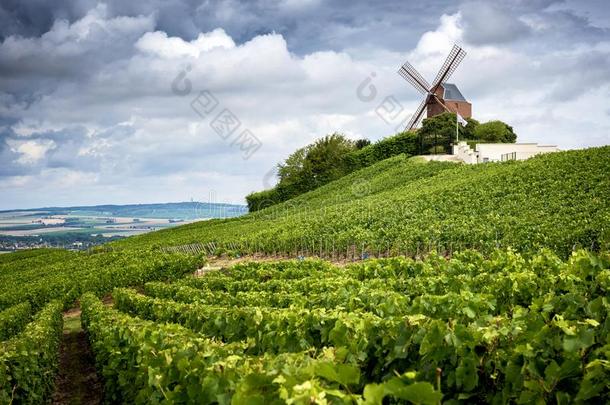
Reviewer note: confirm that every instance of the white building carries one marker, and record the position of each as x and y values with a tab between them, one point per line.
497	152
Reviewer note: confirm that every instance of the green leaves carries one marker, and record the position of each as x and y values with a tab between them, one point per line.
207	373
499	329
466	374
398	388
65	276
14	319
28	361
344	374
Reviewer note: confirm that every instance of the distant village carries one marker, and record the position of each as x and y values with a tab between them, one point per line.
65	241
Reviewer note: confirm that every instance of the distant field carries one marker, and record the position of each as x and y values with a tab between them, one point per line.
179	211
109	220
34	225
39	231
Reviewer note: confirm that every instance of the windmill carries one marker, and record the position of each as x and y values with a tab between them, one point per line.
440	96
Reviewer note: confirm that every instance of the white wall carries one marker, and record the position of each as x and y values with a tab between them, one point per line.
492	152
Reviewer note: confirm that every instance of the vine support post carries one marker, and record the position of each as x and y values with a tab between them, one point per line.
320	248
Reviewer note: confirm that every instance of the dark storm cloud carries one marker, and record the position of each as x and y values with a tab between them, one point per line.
35	66
85	86
8	156
64	151
489	23
32	18
577	75
307	25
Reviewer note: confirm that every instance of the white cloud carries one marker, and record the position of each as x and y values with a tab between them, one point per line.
31	151
547	97
159	44
98	121
441	39
87	34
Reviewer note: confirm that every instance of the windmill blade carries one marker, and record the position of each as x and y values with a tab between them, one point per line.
438	100
417	116
408	72
454	58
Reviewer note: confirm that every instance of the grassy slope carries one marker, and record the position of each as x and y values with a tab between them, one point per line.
559	201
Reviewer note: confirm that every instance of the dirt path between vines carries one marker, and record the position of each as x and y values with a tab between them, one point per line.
77	381
223	263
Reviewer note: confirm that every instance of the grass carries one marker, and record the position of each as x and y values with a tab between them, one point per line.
72	324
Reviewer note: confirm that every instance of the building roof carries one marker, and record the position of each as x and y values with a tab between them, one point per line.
452	92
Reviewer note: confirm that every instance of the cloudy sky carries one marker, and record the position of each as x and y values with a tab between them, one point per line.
159	101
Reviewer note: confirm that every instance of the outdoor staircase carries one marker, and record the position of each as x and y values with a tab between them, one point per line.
465	153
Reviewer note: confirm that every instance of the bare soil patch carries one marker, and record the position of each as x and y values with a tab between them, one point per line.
77	381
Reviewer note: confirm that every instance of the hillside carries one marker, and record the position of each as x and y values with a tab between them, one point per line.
486	327
559	201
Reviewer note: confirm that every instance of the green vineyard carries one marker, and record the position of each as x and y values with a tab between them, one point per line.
405	206
468	329
38	277
404	282
37	285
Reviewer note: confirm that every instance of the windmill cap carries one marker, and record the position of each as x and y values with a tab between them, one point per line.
451	92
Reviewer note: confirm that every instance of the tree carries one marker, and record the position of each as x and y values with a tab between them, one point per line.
317	163
467	132
292	168
361	143
438	133
324	160
495	131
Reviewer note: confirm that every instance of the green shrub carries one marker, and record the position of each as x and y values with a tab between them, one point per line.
507	328
437	149
495	131
28	361
262	199
297	177
157	363
404	142
99	273
439	132
14	319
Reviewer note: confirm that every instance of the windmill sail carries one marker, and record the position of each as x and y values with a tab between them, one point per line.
431	99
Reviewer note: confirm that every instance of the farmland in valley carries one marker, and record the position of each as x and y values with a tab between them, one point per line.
83	227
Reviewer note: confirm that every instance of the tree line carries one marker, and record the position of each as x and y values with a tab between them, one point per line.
334	156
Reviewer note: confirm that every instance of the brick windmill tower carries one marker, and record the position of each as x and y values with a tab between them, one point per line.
440	96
